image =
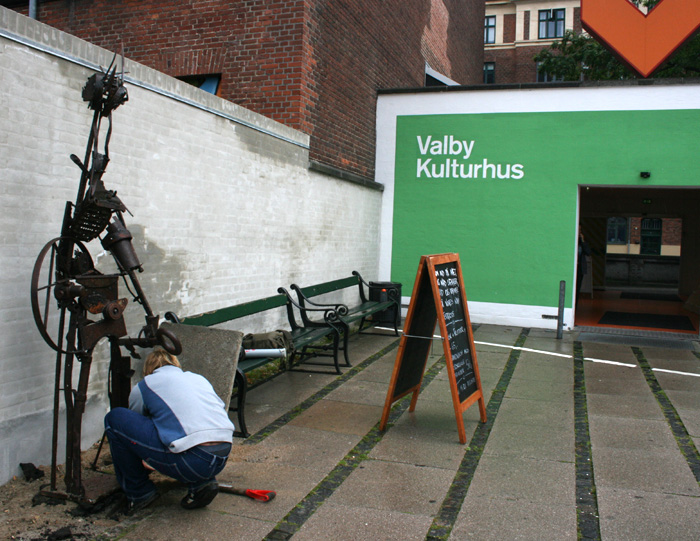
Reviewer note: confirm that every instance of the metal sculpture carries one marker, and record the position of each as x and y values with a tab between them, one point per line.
67	291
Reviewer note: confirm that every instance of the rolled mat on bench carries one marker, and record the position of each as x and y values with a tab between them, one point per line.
212	353
269	340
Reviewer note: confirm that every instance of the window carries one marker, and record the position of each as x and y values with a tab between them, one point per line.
208	83
650	242
490	29
551	23
617	230
489	73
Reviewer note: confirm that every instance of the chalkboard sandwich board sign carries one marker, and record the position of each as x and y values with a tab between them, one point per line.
438	299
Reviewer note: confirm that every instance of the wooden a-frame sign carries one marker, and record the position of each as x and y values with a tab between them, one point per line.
438	298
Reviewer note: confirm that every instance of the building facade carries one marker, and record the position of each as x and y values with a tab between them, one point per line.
508	178
314	66
516	30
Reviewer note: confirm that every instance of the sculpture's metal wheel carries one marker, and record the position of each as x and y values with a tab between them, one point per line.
54	292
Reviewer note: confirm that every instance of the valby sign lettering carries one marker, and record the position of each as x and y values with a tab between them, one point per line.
448	157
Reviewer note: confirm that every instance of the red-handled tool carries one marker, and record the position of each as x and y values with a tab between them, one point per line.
260	495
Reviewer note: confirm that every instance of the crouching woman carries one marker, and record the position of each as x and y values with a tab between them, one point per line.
176	425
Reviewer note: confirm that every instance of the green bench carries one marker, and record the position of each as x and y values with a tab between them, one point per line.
365	311
307	339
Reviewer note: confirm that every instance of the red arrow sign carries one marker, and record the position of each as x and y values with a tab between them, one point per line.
644	42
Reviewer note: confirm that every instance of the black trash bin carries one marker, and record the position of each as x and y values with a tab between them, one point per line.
381	292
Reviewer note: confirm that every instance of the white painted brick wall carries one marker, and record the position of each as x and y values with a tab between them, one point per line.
222	213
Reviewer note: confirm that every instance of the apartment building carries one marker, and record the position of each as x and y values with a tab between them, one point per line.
516	30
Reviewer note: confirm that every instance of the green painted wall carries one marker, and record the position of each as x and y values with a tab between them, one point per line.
516	236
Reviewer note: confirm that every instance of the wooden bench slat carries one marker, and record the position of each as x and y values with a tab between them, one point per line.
329	287
222	315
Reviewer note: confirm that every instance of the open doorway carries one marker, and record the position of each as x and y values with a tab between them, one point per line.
644	268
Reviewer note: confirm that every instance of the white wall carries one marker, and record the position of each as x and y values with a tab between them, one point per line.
225	210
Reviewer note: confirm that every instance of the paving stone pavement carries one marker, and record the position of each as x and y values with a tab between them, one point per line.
584	440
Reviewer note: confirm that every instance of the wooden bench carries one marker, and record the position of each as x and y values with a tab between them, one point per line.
306	339
363	311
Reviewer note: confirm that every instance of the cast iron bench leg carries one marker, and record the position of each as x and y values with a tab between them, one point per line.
242	385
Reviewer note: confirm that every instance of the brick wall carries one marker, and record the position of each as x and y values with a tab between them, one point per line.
312	65
509	28
225	210
505	64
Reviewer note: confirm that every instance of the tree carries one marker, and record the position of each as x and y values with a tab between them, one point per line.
581	57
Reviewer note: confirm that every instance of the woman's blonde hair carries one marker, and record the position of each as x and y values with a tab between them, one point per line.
158	358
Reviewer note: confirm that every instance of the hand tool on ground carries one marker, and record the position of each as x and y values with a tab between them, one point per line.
260	495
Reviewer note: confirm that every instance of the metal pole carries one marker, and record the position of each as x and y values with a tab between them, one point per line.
560	315
33	9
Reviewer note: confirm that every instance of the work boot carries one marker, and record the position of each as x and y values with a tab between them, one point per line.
201	497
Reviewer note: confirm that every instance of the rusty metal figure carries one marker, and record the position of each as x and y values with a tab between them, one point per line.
67	291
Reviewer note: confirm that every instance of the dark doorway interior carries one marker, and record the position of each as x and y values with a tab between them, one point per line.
644	269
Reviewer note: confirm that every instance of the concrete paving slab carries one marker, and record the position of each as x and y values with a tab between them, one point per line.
548	369
494	356
197	525
663	470
380	370
690	366
609	352
394	486
551	345
291	387
304	447
678	382
422	447
358	391
540	389
686	400
291	483
626	433
667	355
368	343
551	334
498	334
361	524
547	442
343	417
437	416
616	380
490	376
518	479
643	406
437	391
691	420
631	515
536	412
498	519
258	416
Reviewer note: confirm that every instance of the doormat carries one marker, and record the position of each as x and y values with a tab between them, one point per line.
654	321
670	297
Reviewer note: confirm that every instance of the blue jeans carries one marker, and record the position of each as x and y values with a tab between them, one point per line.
133	438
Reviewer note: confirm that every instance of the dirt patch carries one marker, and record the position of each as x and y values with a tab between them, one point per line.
28	514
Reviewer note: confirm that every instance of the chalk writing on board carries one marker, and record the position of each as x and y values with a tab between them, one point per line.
457	332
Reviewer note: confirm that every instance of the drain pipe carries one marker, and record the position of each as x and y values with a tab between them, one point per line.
33	9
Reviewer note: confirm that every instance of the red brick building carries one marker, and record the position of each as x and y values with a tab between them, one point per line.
312	65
